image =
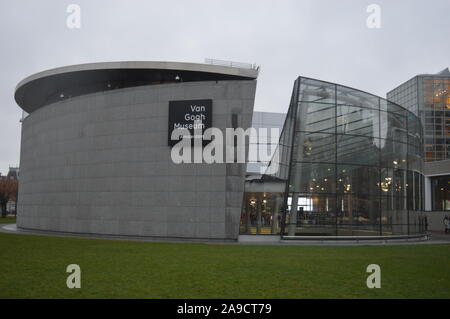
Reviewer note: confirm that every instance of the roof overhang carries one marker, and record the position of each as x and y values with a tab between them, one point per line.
53	85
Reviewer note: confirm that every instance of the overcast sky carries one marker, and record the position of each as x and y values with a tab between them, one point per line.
325	39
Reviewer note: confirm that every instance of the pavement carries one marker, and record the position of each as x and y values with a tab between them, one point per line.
435	238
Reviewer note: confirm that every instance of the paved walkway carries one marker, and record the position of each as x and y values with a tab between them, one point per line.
436	238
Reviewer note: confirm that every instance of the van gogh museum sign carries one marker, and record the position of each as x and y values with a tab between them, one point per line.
189	114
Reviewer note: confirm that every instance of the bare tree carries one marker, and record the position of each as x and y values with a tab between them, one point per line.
8	191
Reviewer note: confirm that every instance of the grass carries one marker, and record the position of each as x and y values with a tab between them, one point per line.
8	220
34	267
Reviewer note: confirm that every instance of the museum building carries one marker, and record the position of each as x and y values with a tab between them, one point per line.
96	156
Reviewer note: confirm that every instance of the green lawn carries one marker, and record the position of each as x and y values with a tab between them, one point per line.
34	267
8	220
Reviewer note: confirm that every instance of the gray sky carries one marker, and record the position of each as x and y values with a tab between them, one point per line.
325	39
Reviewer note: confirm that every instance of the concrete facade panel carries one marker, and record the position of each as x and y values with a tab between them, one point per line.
100	164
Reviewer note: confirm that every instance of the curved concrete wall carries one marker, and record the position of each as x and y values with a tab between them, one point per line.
100	164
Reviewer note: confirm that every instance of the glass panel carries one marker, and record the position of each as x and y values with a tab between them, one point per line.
440	193
393	126
417	191
358	215
357	121
315	215
315	147
312	178
349	96
261	213
414	126
394	215
393	182
387	106
355	179
417	222
317	91
393	154
410	191
357	150
316	117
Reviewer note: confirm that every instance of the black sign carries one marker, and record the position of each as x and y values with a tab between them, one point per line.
191	115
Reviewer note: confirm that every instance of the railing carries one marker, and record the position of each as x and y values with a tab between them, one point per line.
424	236
232	64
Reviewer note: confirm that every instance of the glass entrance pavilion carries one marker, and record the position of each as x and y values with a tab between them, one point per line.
349	164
